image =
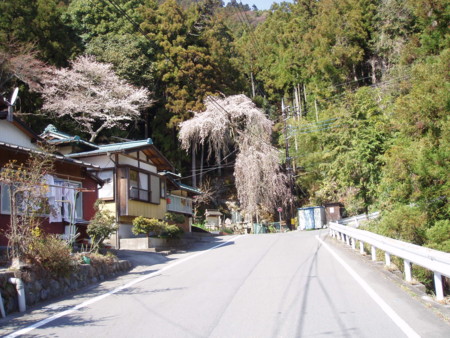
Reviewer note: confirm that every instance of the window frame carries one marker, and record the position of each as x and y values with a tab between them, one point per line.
113	183
149	191
79	196
5	189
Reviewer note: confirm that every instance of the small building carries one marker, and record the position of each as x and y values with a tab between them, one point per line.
311	218
139	180
71	181
133	186
213	218
333	212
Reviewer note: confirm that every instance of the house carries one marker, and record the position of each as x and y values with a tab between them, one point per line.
71	180
180	198
135	178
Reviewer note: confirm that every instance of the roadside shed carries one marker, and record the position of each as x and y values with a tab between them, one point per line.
333	212
213	218
311	217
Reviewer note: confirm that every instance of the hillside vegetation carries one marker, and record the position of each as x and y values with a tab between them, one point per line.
366	84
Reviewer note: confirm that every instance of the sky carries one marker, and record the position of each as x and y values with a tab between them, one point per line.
261	4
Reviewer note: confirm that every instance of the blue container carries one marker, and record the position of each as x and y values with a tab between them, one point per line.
311	218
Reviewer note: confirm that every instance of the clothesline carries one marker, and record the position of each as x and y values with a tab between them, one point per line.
58	174
65	187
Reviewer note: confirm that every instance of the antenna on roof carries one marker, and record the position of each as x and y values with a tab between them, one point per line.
11	104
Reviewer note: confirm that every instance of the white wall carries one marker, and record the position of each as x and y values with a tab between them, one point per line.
102	161
134	163
9	133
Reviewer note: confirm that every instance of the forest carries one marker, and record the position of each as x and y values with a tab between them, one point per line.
364	85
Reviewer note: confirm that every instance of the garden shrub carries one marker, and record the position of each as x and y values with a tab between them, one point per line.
53	255
175	218
101	226
172	231
142	225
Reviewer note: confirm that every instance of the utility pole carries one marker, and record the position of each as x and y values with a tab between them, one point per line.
285	114
194	168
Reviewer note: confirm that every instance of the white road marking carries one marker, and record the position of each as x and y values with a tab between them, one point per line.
109	293
384	306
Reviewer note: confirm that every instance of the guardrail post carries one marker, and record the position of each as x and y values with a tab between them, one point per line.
374	253
408	276
353	244
387	258
347	239
439	288
361	247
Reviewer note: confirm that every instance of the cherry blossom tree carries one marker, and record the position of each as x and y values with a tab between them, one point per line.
20	62
92	95
236	121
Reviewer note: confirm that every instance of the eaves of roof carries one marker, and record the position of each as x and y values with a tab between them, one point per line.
115	148
161	162
190	189
73	140
56	156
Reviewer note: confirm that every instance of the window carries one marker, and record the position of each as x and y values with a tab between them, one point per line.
5	203
69	194
139	185
25	201
145	186
156	189
163	189
107	191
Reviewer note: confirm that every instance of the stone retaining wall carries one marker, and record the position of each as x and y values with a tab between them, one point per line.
41	287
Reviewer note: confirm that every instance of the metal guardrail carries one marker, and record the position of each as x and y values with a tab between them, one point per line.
356	219
433	260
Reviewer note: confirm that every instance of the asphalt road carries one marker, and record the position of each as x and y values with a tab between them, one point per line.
275	285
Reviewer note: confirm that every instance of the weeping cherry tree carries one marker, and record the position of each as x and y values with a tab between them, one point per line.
236	121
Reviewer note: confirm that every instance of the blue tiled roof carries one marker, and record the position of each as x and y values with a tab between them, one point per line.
63	138
114	147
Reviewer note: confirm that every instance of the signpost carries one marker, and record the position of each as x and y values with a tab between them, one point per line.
280	209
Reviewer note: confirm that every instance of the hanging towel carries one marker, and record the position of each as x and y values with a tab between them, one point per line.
69	192
55	205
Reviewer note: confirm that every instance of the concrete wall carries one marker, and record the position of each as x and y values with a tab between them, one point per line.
39	286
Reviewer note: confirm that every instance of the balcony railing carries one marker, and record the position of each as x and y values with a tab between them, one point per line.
179	204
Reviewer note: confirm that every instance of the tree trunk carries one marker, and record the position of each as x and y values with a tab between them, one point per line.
253	86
